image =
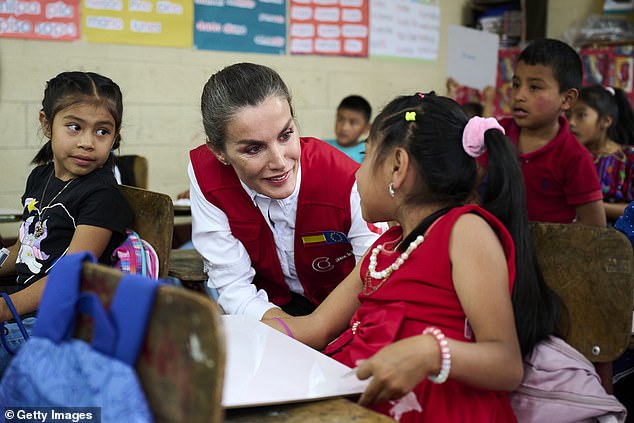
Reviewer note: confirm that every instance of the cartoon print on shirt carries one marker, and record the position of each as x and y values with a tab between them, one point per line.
30	251
404	405
33	232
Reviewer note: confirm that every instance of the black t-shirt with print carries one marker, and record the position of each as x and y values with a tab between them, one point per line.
52	210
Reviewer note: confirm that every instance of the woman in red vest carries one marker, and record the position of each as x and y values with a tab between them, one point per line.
275	216
446	303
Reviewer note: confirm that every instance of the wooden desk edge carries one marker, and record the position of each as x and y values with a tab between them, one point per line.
334	410
187	265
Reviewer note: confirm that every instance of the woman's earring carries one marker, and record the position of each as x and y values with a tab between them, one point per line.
390	189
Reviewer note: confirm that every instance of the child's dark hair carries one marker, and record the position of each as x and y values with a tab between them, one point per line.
564	61
473	109
448	177
70	88
611	102
357	104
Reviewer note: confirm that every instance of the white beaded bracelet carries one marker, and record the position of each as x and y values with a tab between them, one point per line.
445	354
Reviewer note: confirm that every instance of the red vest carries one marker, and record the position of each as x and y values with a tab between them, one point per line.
323	254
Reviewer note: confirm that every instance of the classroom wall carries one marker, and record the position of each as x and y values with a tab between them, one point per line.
161	91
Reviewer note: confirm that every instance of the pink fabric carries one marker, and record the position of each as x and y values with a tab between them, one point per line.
473	134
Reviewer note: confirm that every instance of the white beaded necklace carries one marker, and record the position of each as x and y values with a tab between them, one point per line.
384	274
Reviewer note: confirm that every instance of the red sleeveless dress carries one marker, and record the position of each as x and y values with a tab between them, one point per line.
419	294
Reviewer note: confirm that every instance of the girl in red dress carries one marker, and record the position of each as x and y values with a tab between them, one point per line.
436	313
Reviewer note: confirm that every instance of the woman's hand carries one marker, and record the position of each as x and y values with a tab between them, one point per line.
398	368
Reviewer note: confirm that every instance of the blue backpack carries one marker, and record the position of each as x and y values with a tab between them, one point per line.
53	369
136	256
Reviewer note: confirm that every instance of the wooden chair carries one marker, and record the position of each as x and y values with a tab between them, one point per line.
153	221
181	364
133	169
592	271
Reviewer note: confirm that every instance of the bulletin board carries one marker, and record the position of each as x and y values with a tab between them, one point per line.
391	29
141	22
405	29
40	20
329	27
257	27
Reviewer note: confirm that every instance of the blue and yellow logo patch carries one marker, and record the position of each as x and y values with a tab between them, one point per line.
326	237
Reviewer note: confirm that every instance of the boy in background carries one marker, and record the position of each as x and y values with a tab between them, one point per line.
562	185
561	182
351	123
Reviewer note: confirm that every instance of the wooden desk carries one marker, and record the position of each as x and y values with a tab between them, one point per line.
187	265
337	410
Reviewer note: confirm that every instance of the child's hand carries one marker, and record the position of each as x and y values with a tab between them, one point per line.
488	94
452	88
398	368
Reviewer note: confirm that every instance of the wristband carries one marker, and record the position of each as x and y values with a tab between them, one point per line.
288	330
445	354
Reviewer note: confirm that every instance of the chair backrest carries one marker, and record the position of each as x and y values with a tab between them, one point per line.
133	169
592	270
182	361
153	221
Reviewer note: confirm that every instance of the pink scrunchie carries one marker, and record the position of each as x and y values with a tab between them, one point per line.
473	134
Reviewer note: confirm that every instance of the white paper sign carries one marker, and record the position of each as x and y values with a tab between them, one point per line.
472	56
405	29
265	367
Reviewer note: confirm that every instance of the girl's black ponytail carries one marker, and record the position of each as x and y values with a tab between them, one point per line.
536	307
45	154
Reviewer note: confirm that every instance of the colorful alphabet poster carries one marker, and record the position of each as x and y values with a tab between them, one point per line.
407	29
144	22
257	26
41	19
329	27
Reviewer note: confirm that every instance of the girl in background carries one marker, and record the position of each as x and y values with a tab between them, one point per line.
603	121
71	202
436	312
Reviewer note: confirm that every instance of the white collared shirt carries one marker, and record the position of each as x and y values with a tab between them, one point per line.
227	262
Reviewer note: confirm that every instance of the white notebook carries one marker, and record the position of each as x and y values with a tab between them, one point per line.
266	367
